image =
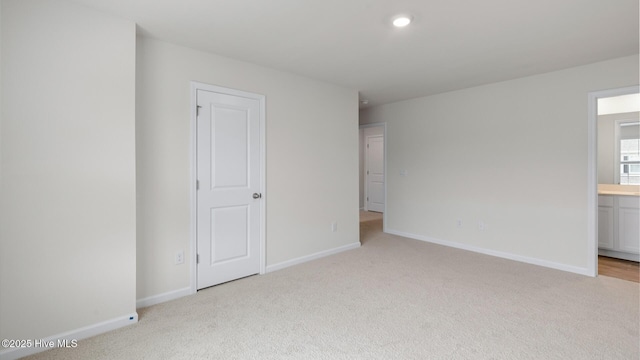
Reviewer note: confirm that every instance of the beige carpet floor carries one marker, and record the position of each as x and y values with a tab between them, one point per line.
393	298
370	215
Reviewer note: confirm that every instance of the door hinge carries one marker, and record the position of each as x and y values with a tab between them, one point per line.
367	198
367	172
197	184
367	146
198	110
197	258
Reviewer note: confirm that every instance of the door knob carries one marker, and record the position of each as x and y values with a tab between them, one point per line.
257	195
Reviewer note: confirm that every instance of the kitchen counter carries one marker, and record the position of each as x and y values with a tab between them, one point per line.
612	189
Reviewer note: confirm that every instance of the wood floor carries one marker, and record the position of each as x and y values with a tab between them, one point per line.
618	268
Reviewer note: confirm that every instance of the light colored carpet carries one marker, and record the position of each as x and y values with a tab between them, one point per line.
393	298
369	215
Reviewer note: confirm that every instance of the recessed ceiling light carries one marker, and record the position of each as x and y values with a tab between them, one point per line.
401	21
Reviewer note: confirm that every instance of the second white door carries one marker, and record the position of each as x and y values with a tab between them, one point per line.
375	173
229	193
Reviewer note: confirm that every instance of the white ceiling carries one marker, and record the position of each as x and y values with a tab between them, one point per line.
451	44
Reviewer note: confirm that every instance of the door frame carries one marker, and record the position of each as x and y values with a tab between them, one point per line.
193	240
383	125
592	171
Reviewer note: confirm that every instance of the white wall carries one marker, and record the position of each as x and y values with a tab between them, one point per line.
607	144
312	159
511	154
67	201
619	104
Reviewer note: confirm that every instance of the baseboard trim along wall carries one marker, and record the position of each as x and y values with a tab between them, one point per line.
504	255
619	254
303	259
160	298
176	294
70	338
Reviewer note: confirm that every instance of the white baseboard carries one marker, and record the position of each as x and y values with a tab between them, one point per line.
160	298
619	255
500	254
70	338
303	259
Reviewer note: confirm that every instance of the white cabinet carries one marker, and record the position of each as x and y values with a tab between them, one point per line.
629	224
619	226
605	222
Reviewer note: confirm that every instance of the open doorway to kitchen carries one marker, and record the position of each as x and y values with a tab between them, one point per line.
614	148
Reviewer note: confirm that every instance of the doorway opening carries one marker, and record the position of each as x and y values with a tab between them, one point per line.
372	171
613	198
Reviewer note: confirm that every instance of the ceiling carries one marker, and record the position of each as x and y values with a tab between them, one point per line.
451	44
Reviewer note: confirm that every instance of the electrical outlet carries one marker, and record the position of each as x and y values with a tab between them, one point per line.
459	223
482	226
179	257
334	226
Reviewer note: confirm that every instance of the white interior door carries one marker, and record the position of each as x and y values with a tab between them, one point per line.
229	180
375	174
